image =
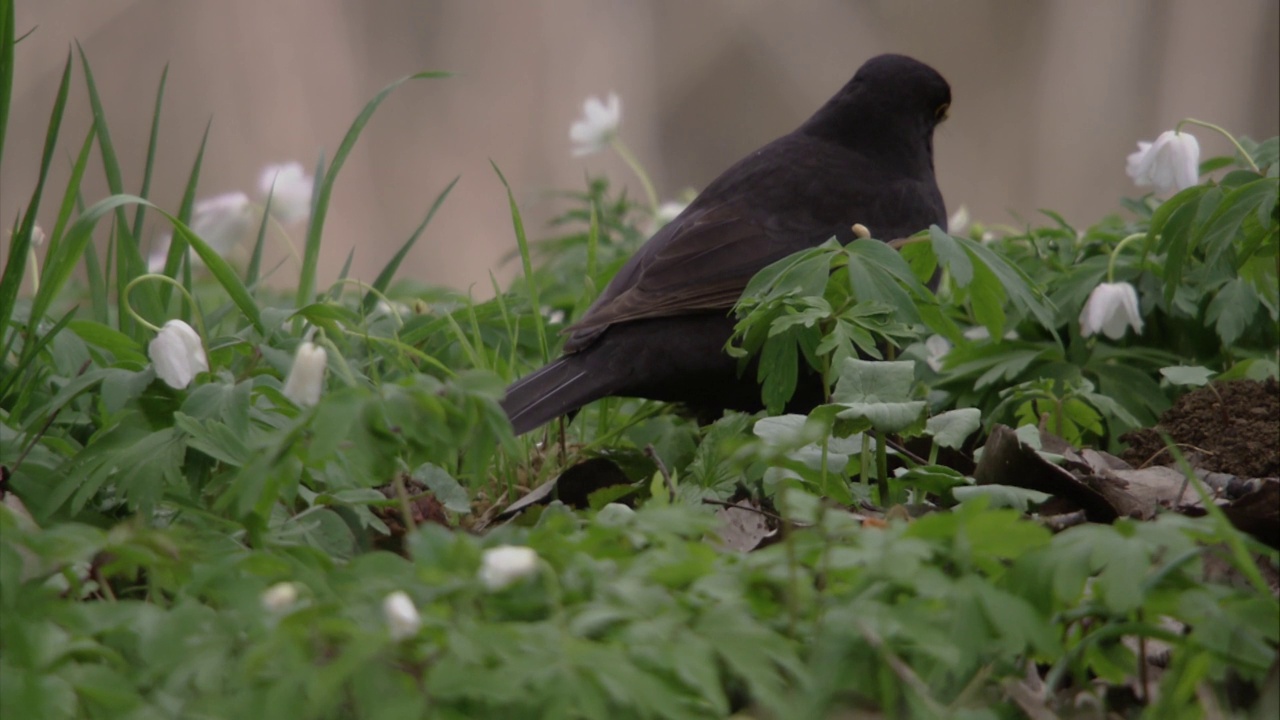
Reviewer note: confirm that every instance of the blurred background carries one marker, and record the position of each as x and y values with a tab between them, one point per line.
1049	98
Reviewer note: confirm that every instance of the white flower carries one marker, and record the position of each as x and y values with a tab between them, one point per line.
401	615
289	187
223	221
1169	164
506	564
597	126
667	212
1111	309
37	236
980	332
959	221
936	348
306	377
177	354
279	598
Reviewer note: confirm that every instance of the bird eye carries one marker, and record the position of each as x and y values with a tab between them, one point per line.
940	114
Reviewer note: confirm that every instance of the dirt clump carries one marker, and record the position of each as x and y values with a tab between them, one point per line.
1228	427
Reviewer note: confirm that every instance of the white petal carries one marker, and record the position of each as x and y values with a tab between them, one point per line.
223	221
937	348
280	597
1186	171
1111	309
507	564
177	354
959	221
306	378
597	125
401	615
291	196
1169	164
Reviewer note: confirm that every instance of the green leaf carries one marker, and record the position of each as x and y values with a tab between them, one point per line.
779	368
446	489
878	392
1015	283
951	256
1000	496
1194	375
935	479
1223	226
1231	310
949	429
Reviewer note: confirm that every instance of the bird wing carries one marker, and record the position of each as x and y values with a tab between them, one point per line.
704	262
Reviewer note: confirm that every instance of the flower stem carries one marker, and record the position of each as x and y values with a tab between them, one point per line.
34	264
195	309
1115	253
1224	133
638	169
163	278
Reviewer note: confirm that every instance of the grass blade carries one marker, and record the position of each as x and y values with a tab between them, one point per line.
527	263
315	229
129	262
221	271
389	271
29	352
6	70
16	266
177	249
255	259
145	190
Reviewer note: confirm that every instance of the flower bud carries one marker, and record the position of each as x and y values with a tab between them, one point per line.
1111	309
289	187
306	377
177	354
280	598
598	125
506	564
1169	164
401	615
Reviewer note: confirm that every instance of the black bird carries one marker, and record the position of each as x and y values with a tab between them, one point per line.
659	328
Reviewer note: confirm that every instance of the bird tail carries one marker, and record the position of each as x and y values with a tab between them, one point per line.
557	389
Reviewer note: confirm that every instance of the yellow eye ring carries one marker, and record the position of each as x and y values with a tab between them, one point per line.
941	113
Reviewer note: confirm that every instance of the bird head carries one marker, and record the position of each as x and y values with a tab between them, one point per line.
893	102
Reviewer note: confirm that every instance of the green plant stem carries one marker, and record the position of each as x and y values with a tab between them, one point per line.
1115	253
1247	158
882	468
33	263
196	314
865	464
625	153
823	469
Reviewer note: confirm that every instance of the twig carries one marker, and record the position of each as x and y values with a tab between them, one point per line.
1180	445
971	688
564	445
1143	679
662	468
902	450
1058	523
901	669
766	513
402	494
1028	701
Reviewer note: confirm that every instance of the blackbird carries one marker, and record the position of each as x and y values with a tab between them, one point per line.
659	328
